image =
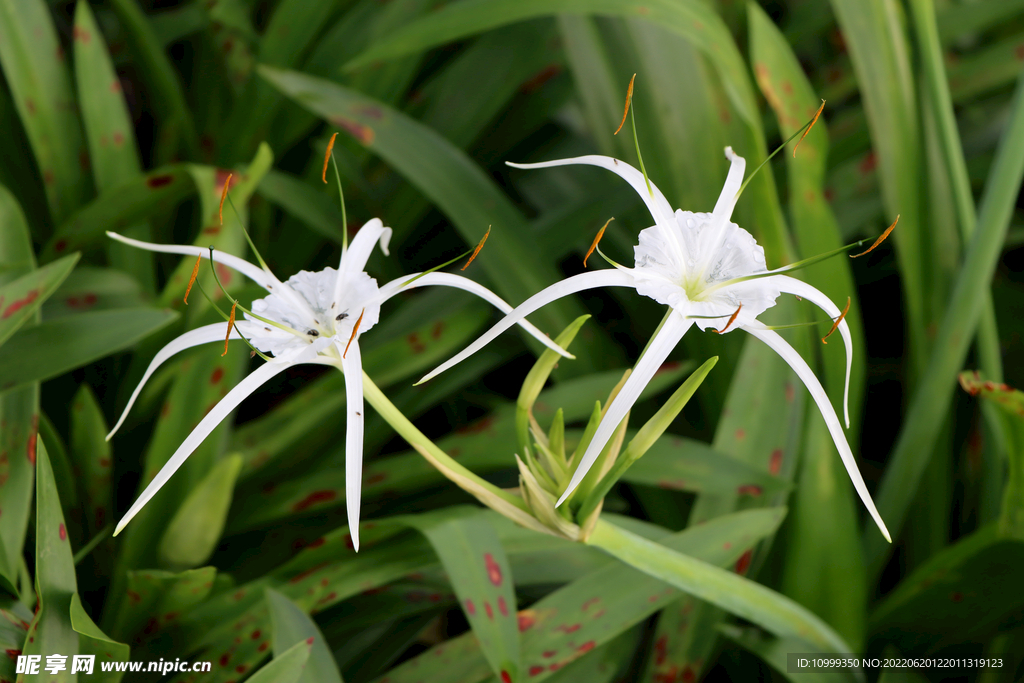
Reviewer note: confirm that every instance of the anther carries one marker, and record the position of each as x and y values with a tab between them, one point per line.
231	323
732	319
223	196
593	245
355	329
629	98
341	316
192	280
813	121
478	248
312	333
880	239
327	156
836	322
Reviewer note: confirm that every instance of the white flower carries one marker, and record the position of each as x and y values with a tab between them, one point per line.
700	265
311	318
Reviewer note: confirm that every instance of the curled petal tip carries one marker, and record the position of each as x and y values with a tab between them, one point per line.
120	527
729	154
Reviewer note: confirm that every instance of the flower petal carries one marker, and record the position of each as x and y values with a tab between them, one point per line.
220	411
570	285
800	367
791	285
201	335
671	332
659	207
353	259
733	182
459	282
352	366
251	271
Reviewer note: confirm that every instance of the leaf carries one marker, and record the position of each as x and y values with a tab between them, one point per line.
964	594
52	348
156	600
194	531
774	652
120	207
93	289
51	631
314	208
14	618
480	575
20	299
93	641
110	134
92	459
747	599
287	667
35	70
291	627
446	175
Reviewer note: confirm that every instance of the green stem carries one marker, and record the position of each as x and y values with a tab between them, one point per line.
408	431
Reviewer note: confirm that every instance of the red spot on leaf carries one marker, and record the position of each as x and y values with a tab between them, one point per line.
868	164
470	608
159	181
586	647
19	304
60	245
487	608
482	425
526	619
376	478
502	606
505	678
117	138
133	596
775	461
534	82
660	650
493	569
415	343
743	564
216	375
241	668
437	329
317	543
309	641
255	635
63	532
1019	52
957	597
740	434
81	35
13	654
536	670
588	603
314	498
115	86
749	490
363	134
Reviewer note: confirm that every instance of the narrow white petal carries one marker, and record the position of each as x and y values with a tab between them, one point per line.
253	272
791	285
662	344
459	282
201	335
247	386
795	361
659	207
570	285
352	366
727	200
353	259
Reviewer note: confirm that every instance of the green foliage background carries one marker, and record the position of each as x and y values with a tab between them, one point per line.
128	115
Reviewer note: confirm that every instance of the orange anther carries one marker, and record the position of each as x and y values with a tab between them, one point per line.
732	319
192	280
593	245
835	323
327	157
813	121
629	98
223	196
880	239
355	329
477	250
231	323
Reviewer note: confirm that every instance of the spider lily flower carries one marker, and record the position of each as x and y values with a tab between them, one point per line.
710	273
310	318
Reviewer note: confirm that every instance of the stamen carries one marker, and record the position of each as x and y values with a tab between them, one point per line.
836	322
223	196
354	331
880	239
629	98
808	129
231	323
477	250
593	245
327	157
732	319
192	280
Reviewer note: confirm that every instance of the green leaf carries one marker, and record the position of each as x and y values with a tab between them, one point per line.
110	134
20	299
194	531
447	176
51	630
14	618
964	594
286	667
479	573
35	70
120	207
314	208
291	627
93	641
156	600
740	596
52	348
93	289
774	652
